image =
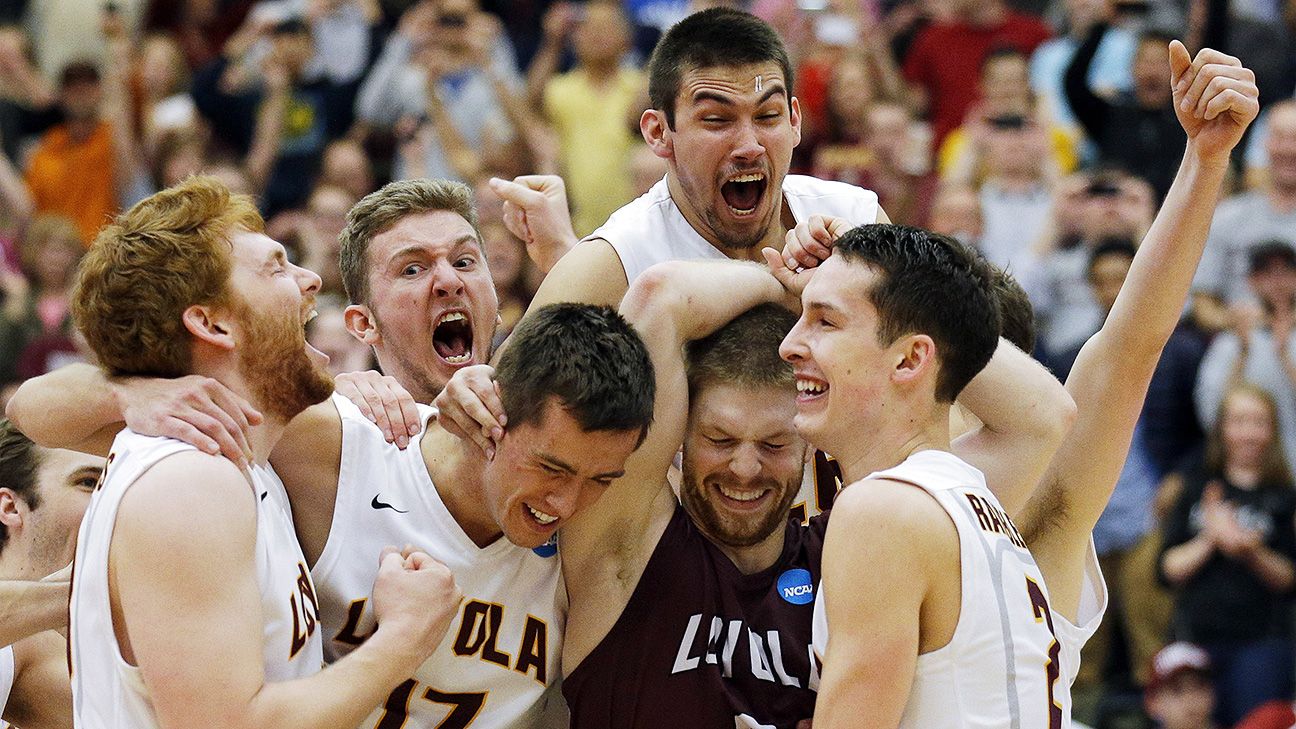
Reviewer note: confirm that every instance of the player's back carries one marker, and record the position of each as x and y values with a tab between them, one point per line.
108	692
1002	666
499	662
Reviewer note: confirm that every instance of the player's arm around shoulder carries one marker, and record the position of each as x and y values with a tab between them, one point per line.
891	582
308	459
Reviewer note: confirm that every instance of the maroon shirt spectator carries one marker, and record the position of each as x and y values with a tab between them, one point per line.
945	59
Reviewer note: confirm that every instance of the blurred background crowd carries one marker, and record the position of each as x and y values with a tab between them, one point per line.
1039	131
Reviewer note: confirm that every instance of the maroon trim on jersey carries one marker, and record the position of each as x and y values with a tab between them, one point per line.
700	643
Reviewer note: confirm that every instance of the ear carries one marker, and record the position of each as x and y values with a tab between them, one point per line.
10	515
209	326
916	358
794	115
657	133
362	324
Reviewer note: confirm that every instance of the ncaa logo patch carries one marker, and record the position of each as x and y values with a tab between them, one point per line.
549	548
796	586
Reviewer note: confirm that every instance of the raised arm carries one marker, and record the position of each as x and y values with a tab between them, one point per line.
176	537
1110	378
1018	435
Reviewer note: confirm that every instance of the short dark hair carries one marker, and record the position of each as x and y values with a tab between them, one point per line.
930	284
80	71
1265	254
743	352
586	356
19	461
712	37
1016	313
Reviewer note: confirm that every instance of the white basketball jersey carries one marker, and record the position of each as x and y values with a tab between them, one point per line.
6	677
651	229
498	665
1012	659
108	692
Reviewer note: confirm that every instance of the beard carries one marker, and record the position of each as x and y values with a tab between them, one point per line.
729	529
275	365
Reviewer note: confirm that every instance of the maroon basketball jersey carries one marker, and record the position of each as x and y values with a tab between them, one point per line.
702	646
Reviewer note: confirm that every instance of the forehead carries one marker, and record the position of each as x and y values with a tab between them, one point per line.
435	233
558	435
57	464
742	410
736	82
251	249
841	285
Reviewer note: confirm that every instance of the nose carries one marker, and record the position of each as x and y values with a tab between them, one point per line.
747	147
308	280
446	281
792	349
561	501
745	463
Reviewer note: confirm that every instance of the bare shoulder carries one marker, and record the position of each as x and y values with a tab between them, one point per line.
309	454
590	273
187	497
892	520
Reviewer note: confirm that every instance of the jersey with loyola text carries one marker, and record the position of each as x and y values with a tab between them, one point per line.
704	644
498	665
1012	659
108	692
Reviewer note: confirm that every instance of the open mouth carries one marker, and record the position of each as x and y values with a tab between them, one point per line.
452	338
810	389
539	517
310	348
743	193
742	499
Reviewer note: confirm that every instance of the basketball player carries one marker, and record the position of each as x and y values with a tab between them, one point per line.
191	603
724	119
684	605
44	495
893	660
414	246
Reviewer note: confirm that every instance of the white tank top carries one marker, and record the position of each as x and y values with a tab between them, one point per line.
6	678
499	661
1012	659
651	229
107	691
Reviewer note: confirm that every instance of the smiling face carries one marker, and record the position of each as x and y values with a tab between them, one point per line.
730	149
743	462
544	472
432	300
841	369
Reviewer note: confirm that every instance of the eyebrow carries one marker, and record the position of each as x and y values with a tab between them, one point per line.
705	95
276	257
822	307
564	466
465	239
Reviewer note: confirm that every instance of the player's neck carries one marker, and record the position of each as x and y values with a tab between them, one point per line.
455	467
757	557
261	438
892	441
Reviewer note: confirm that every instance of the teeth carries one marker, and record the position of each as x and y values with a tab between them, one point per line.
738	495
451	316
459	358
809	386
754	177
313	313
540	516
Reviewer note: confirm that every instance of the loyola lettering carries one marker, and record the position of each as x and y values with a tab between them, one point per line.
721	640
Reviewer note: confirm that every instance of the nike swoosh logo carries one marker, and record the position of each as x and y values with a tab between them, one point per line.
380	505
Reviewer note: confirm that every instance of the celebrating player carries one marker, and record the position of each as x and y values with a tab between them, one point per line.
191	603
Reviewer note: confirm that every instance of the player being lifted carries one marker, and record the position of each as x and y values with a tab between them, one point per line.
191	604
917	558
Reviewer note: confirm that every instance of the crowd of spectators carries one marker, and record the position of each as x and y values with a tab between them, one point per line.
1039	131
